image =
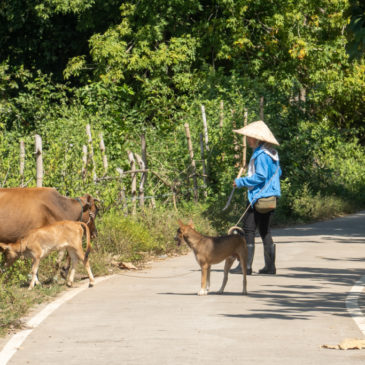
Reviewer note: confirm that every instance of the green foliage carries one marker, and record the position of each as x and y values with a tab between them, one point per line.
356	29
129	68
309	206
126	236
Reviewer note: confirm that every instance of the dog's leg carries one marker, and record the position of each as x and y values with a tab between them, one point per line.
243	258
228	264
208	277
203	290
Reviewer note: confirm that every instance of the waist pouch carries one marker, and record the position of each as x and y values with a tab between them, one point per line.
265	205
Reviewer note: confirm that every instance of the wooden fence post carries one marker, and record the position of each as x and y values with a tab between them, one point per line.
103	154
244	152
174	197
22	162
143	178
134	181
191	153
39	158
144	155
153	203
236	146
91	149
144	150
84	162
122	191
203	165
262	101
205	128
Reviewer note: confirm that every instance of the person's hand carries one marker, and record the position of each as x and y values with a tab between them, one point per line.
234	184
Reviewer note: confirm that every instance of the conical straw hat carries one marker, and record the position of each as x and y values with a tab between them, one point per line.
258	130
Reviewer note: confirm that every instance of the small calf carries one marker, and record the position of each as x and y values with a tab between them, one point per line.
63	235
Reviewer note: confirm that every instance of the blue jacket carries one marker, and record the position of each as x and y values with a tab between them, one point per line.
262	166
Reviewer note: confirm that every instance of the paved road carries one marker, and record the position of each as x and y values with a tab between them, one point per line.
155	317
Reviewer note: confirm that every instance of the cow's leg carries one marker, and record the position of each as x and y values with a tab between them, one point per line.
74	261
81	255
63	270
66	268
34	271
60	256
227	266
89	272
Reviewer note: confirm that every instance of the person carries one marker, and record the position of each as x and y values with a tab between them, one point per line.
262	181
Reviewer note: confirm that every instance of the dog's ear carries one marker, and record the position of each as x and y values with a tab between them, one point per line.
191	224
181	224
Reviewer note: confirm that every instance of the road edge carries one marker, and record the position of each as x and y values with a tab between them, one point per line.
14	343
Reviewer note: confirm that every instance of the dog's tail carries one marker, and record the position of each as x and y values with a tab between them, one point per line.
236	230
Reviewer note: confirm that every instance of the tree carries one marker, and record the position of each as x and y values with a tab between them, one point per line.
356	29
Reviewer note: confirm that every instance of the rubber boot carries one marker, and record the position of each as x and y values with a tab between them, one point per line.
250	254
269	255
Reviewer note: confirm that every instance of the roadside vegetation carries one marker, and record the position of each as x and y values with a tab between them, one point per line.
132	68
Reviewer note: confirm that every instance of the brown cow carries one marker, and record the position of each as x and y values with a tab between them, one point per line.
23	209
38	243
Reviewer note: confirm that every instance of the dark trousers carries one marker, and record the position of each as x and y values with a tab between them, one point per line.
253	220
262	221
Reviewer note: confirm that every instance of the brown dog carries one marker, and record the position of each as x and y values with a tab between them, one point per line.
212	250
63	235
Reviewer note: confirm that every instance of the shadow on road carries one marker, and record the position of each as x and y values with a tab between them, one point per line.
305	301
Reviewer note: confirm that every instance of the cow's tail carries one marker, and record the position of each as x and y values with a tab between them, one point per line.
88	244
